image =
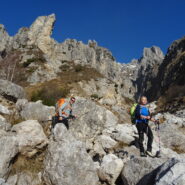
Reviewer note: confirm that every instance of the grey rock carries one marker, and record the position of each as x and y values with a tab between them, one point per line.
148	69
136	168
35	110
171	172
170	76
24	178
107	142
172	137
110	169
92	119
2	182
4	124
4	110
9	149
4	39
67	161
125	133
11	90
20	104
175	120
30	137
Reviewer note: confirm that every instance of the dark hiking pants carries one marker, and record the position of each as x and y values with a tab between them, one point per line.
65	122
144	128
56	120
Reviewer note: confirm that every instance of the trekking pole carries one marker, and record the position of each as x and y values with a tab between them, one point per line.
159	139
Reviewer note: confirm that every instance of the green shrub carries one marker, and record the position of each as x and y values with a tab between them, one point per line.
28	62
78	68
49	95
31	60
95	96
65	67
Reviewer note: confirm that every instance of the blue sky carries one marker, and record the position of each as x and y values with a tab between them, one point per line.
123	26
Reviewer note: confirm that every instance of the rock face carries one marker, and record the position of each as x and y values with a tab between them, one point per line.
11	90
26	130
129	78
173	66
67	161
148	69
141	74
170	74
4	40
37	35
40	31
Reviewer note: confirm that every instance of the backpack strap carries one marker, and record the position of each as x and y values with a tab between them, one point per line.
138	112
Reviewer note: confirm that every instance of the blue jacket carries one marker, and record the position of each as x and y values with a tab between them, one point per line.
141	111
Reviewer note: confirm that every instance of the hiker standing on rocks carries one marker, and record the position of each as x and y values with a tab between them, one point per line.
142	115
64	111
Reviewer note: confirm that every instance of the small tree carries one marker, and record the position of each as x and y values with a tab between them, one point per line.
9	63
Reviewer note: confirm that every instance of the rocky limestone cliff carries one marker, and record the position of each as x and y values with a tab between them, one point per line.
168	83
131	79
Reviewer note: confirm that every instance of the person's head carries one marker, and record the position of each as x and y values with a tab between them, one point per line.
72	100
143	100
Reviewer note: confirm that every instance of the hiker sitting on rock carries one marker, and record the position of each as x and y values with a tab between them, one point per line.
142	116
64	110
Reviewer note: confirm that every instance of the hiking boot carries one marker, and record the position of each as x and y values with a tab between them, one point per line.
142	154
149	154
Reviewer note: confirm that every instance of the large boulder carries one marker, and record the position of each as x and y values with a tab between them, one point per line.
125	133
92	119
9	149
34	110
67	161
11	90
30	137
136	168
171	172
110	168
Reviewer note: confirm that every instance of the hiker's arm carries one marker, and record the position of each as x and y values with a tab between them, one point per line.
150	117
72	115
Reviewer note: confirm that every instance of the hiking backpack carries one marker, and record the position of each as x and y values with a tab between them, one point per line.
55	118
59	103
132	113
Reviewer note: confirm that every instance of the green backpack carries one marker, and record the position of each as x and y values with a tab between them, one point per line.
132	113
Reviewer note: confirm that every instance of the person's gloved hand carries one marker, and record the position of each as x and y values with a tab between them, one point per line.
152	119
73	116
